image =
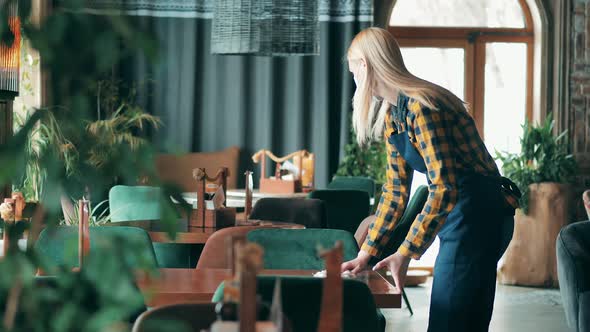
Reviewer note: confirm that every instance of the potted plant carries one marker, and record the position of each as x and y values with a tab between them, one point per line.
77	50
369	161
543	171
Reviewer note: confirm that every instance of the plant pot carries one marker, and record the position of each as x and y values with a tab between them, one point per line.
530	259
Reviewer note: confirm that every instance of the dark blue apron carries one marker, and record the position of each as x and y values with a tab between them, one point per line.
472	239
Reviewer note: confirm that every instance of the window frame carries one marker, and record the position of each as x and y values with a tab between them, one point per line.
473	40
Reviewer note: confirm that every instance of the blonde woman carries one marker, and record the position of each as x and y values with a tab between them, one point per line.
470	206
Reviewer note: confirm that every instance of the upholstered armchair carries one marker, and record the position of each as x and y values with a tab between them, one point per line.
573	267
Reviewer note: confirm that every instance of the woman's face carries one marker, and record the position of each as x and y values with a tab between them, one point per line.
358	68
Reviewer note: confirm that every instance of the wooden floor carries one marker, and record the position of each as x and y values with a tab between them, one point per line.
516	309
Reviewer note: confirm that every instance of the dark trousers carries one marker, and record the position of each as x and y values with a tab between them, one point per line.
472	240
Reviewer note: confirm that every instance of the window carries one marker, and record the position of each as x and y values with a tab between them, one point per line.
481	50
458	13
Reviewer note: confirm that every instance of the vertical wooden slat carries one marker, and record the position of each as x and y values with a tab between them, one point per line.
248	204
83	231
470	76
530	54
5	135
479	85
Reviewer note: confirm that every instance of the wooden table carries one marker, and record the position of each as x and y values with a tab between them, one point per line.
237	197
198	286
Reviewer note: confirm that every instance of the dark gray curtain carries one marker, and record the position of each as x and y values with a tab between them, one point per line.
210	102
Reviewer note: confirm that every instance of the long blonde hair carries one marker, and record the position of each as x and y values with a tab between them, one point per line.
384	63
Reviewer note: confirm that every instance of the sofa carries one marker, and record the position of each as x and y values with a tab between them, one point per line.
178	168
573	268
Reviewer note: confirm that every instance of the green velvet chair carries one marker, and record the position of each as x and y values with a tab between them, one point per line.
133	203
353	182
301	302
346	209
414	207
310	213
296	249
573	268
58	246
177	317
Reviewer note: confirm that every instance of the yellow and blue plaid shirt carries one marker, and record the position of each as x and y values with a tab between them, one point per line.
448	142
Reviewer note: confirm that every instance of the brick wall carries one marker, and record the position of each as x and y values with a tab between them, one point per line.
580	75
580	97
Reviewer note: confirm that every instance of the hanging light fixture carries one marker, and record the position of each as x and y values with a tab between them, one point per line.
10	57
9	74
265	27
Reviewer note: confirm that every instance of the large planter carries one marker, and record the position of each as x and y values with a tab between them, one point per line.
530	259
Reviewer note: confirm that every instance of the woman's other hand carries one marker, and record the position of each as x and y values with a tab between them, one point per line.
398	265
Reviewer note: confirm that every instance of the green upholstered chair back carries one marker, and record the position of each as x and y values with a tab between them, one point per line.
573	268
402	228
346	209
58	246
177	317
301	302
353	182
288	249
129	203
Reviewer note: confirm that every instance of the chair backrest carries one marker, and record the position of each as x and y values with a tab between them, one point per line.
353	182
178	169
402	228
58	246
346	209
129	203
310	213
214	254
176	317
301	302
288	249
573	268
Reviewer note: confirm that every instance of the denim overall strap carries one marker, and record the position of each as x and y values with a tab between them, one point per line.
403	145
472	239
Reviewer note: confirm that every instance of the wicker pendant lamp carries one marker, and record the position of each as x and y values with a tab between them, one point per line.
265	27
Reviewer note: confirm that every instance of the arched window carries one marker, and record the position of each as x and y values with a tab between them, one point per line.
480	50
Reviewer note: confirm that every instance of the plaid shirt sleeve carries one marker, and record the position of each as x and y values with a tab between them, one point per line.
393	200
432	133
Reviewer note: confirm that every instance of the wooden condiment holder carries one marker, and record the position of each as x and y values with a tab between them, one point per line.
217	218
277	185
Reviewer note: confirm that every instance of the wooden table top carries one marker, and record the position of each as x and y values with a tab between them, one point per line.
237	197
199	285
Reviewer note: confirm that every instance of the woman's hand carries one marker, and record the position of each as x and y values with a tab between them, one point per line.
360	263
398	265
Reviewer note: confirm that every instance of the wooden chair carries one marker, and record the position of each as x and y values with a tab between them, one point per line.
310	213
323	305
354	183
214	254
139	203
399	233
178	168
345	208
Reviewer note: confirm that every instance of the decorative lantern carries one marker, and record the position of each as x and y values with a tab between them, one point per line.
266	27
